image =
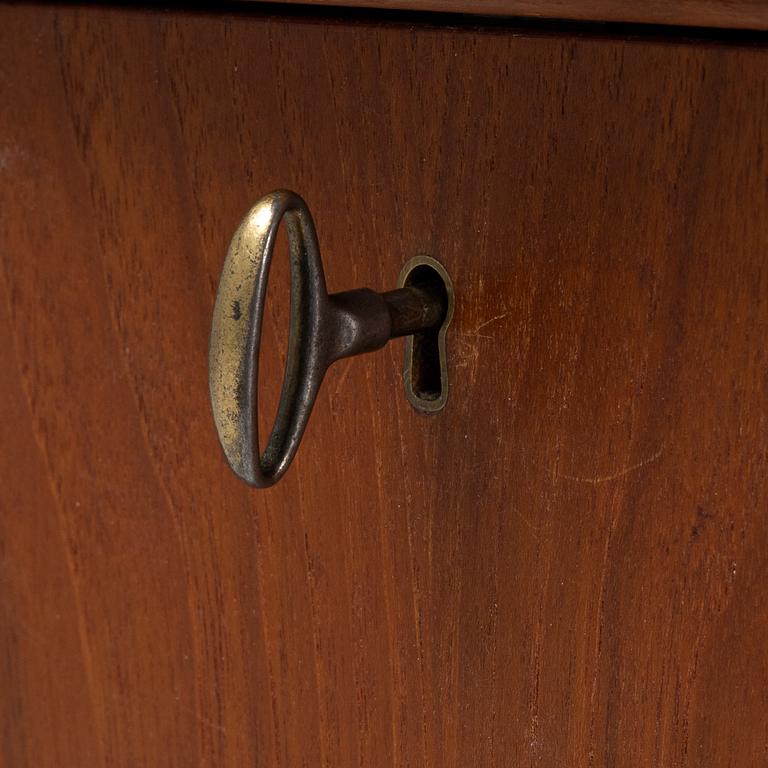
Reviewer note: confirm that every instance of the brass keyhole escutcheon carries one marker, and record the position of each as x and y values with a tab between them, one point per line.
426	366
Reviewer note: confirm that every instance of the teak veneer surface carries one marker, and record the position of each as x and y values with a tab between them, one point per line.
566	567
728	14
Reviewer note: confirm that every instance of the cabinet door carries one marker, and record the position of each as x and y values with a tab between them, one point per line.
565	567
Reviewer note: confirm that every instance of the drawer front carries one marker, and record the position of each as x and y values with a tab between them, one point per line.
566	566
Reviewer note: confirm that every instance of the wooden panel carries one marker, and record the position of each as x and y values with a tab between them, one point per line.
565	567
728	14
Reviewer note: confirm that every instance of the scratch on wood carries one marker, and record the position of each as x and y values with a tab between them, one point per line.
528	523
491	320
615	475
342	378
210	723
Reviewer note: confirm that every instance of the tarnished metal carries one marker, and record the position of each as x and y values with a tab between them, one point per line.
426	362
323	329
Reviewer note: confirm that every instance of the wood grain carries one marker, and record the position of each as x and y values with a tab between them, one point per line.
566	567
724	14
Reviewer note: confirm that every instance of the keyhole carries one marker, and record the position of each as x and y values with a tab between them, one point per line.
426	368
